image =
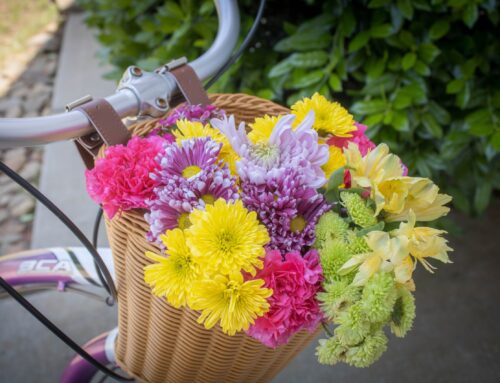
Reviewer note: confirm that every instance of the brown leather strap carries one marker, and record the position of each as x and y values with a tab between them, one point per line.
190	86
109	130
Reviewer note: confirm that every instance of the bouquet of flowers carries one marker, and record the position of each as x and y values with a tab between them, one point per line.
294	221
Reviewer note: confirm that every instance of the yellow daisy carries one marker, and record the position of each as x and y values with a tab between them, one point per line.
172	276
330	117
226	238
193	129
262	129
231	300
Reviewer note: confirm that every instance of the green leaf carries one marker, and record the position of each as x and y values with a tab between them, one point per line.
374	119
283	67
407	39
439	29
379	226
308	79
402	100
423	168
428	52
482	196
480	123
455	86
439	113
375	69
335	82
406	8
469	15
432	125
383	84
463	97
347	23
381	31
312	59
400	121
369	106
265	93
408	60
359	41
422	69
303	42
416	91
495	141
332	196
336	179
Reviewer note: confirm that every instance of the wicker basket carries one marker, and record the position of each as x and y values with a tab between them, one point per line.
158	343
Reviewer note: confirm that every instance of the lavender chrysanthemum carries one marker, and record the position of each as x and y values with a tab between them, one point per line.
170	208
287	148
214	183
194	113
190	176
288	208
188	159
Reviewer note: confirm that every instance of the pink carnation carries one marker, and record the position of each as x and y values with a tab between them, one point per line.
295	282
358	137
120	181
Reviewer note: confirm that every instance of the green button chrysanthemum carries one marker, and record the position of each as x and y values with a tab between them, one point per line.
360	213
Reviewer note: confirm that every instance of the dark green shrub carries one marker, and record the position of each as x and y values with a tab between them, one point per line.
423	74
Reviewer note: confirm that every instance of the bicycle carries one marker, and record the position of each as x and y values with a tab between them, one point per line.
88	270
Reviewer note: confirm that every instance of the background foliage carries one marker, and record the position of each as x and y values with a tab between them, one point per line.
420	73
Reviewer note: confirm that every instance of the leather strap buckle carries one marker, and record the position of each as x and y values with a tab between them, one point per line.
109	128
190	86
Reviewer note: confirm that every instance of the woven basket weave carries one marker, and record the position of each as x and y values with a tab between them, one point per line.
160	344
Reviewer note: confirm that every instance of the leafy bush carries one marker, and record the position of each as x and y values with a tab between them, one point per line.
420	73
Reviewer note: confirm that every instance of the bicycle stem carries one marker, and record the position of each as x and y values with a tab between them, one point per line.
138	93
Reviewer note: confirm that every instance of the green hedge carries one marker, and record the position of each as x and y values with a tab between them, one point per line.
423	74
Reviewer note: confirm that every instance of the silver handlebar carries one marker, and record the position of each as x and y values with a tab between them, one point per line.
137	94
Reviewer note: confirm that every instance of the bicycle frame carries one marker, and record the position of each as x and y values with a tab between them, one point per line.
63	269
55	267
101	348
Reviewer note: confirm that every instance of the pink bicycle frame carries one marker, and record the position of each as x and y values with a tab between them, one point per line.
61	268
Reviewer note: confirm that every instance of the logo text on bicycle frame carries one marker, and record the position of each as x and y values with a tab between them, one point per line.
44	265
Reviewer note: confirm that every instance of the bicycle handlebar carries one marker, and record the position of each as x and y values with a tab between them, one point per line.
136	94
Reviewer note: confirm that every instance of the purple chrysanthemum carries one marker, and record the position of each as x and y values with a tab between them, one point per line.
287	148
288	208
214	183
187	159
195	113
170	208
190	176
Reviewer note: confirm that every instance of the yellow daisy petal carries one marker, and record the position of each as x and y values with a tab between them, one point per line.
226	238
330	117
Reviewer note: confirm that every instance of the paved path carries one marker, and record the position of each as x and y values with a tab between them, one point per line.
456	337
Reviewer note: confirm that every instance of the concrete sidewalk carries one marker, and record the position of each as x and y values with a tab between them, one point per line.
456	336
